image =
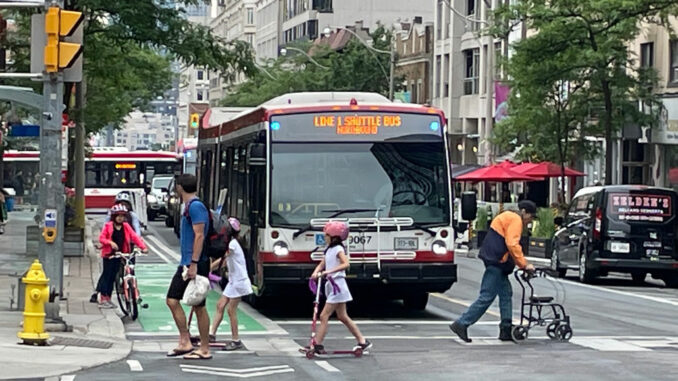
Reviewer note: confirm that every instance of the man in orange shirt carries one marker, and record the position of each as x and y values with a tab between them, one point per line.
501	252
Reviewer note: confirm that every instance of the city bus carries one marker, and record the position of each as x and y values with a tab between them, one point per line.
107	172
300	160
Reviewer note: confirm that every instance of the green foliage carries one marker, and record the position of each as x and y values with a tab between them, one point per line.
482	219
354	68
574	76
544	226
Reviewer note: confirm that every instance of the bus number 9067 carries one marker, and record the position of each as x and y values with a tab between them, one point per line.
359	240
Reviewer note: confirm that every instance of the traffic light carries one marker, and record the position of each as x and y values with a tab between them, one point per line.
60	23
195	120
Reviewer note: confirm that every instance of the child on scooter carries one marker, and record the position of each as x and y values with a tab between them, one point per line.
333	266
116	236
239	285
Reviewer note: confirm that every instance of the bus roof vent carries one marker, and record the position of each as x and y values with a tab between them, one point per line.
326	97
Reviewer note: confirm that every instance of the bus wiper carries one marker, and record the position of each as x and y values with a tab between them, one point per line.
424	228
336	213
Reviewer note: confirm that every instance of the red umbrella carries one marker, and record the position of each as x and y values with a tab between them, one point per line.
545	169
494	173
507	164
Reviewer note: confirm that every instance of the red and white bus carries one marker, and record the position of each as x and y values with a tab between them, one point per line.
290	165
108	171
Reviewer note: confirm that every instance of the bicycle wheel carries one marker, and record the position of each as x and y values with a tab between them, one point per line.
120	293
132	300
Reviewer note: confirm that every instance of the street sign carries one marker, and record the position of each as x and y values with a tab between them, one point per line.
50	218
24	130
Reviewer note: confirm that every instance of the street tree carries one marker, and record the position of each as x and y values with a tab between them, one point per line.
351	68
593	37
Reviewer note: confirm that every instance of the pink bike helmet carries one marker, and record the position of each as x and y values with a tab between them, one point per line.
119	209
235	224
336	229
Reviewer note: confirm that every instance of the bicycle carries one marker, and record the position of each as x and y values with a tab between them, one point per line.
126	285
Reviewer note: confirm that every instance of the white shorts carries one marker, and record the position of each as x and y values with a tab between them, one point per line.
343	296
237	289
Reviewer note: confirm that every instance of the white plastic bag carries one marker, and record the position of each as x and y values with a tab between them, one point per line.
196	291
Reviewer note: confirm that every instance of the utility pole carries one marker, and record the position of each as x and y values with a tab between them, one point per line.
79	165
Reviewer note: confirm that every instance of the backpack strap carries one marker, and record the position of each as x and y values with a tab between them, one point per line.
188	206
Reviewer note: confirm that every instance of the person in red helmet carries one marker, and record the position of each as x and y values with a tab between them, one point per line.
116	236
333	266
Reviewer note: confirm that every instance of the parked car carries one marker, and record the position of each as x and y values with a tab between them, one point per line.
623	228
173	207
157	196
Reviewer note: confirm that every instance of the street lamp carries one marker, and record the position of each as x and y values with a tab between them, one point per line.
283	52
391	76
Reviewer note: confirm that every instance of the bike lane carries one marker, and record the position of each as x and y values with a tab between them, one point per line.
153	281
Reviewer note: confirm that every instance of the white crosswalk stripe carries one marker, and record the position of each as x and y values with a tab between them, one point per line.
238	373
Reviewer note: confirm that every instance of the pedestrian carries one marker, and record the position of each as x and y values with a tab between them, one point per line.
238	285
19	183
116	236
333	267
500	252
3	211
194	225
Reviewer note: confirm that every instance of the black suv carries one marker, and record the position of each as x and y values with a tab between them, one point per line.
622	228
173	207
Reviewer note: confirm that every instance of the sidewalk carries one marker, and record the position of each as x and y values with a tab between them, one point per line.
96	336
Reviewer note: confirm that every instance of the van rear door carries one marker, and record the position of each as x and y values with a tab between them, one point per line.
640	223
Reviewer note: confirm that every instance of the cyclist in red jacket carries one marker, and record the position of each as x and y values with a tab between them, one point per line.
115	236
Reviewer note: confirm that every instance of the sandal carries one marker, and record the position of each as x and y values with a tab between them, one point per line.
178	352
195	355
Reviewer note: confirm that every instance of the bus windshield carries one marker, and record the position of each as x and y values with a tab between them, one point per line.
319	180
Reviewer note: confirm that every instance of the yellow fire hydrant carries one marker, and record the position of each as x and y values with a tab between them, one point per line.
37	294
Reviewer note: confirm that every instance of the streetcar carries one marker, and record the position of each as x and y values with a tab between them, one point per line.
297	161
107	172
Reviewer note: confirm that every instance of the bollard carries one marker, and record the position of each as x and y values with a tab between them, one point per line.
37	294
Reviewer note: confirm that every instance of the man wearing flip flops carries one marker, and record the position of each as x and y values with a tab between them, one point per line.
194	225
500	252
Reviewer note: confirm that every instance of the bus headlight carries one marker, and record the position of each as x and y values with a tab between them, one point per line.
439	248
281	249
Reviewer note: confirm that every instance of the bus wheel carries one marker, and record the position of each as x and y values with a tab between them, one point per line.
416	302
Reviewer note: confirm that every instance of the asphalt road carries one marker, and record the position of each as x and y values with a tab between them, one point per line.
622	331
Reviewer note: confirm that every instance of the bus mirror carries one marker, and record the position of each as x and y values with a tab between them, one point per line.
469	206
256	154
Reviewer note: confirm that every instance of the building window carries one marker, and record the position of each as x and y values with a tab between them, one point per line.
673	74
473	12
200	75
322	5
472	59
199	95
498	68
647	54
250	38
250	16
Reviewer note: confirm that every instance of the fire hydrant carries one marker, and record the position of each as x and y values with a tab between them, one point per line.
37	294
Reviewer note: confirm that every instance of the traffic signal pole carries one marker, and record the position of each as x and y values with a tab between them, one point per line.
51	196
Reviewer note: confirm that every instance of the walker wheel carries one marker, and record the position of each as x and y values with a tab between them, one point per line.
358	352
519	333
564	332
551	330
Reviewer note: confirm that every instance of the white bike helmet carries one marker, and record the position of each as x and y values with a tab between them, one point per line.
124	197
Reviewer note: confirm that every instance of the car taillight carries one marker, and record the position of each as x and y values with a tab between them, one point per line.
598	223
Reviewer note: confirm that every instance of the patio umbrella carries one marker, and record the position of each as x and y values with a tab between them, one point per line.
507	164
494	173
545	169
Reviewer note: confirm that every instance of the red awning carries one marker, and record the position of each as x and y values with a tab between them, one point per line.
494	173
545	169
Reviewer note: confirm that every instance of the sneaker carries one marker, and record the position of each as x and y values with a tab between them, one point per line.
110	305
94	298
366	345
460	330
234	346
319	349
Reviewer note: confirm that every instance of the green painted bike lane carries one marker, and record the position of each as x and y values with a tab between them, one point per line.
153	281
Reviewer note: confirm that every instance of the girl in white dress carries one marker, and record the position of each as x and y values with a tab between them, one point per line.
334	266
239	285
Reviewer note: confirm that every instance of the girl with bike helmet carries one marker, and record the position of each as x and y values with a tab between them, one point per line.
116	236
125	198
333	267
239	285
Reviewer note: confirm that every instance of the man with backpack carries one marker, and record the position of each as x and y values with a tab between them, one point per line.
195	223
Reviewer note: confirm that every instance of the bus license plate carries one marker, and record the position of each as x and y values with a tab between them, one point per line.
406	243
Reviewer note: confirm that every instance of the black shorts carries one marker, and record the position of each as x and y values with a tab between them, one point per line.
178	285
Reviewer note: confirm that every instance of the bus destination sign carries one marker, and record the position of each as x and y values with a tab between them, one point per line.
355	126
